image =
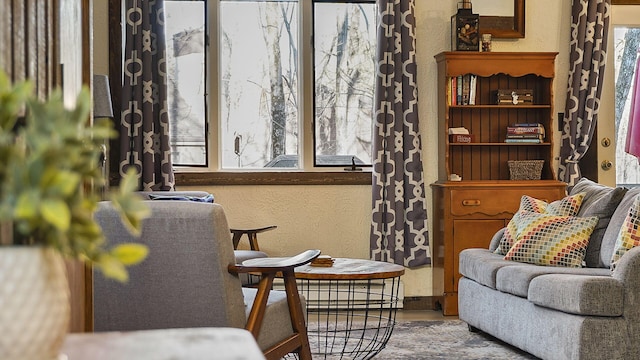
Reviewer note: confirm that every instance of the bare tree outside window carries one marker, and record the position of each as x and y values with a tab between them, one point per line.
344	54
259	84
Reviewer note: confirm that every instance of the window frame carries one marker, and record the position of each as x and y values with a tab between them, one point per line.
213	174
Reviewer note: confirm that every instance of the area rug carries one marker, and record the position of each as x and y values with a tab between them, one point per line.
436	340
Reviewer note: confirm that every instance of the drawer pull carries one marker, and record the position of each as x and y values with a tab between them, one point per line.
473	202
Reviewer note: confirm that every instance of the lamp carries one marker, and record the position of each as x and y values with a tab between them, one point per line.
102	107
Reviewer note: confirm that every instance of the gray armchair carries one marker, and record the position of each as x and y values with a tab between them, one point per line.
190	279
248	280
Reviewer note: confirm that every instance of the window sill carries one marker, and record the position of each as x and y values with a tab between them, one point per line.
272	178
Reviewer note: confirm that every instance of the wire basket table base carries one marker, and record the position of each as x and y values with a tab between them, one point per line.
351	309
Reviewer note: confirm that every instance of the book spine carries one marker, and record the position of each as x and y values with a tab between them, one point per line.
454	91
527	125
459	90
524	136
465	89
525	130
527	141
472	89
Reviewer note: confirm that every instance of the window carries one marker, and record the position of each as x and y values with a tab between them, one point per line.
185	37
344	69
259	107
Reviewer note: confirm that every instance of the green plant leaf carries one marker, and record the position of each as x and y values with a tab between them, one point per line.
112	268
65	181
56	213
130	254
27	205
131	207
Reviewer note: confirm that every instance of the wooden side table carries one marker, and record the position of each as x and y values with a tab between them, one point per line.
351	306
164	344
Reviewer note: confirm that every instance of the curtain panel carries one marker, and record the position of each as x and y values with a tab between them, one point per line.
587	58
144	126
399	221
632	143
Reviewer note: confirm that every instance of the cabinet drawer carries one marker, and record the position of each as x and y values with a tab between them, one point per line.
494	201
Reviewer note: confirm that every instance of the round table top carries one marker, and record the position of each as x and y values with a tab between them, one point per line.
350	269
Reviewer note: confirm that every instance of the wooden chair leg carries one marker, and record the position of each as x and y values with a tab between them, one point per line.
297	314
236	239
254	322
253	241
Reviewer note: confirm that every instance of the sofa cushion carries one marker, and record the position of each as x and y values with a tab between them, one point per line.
629	234
481	265
551	240
515	280
578	294
611	234
601	201
568	206
276	324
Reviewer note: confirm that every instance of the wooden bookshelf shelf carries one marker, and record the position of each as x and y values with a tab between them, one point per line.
500	144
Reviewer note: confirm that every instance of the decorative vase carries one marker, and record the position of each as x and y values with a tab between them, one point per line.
34	302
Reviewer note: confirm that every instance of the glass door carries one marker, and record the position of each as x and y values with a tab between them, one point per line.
616	166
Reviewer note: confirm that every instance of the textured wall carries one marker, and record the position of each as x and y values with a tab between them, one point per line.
336	219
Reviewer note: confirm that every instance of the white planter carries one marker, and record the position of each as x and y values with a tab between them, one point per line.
34	303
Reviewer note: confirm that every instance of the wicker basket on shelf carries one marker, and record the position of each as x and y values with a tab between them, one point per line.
525	169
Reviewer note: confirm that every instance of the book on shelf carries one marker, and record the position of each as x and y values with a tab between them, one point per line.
524	141
519	129
462	138
458	130
532	133
525	136
459	90
462	89
472	89
452	91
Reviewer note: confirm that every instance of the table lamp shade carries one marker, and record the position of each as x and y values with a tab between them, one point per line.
102	107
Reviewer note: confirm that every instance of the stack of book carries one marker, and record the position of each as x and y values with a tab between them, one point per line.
525	133
462	89
460	135
322	261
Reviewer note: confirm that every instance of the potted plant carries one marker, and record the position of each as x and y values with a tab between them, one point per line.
49	173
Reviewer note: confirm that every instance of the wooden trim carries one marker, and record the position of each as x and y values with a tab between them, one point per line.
19	41
422	303
272	178
115	83
87	80
625	2
516	32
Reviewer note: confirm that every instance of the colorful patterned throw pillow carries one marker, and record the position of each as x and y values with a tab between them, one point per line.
551	240
567	206
629	235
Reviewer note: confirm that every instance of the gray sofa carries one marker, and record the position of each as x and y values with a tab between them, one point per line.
591	312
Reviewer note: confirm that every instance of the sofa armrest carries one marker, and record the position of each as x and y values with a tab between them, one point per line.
628	270
495	241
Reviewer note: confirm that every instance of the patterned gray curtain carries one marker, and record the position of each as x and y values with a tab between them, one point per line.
144	128
399	223
589	28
